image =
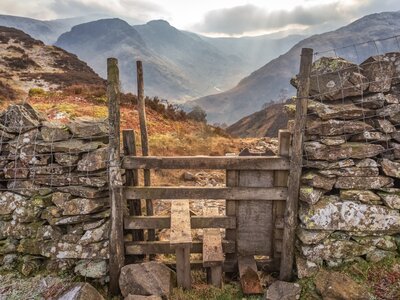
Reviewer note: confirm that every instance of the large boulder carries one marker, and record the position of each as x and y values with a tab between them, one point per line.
335	285
81	291
19	118
149	278
281	290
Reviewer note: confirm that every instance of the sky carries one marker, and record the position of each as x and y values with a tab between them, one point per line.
212	17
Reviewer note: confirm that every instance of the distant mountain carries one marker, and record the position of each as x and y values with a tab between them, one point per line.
268	82
265	122
27	63
255	51
177	65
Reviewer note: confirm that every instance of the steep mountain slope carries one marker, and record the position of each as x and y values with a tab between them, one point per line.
95	41
255	51
26	63
264	123
266	83
207	68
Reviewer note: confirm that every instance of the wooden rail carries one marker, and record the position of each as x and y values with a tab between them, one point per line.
228	193
164	247
164	222
207	162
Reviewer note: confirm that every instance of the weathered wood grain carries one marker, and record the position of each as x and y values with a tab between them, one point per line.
162	222
181	232
291	213
207	162
231	193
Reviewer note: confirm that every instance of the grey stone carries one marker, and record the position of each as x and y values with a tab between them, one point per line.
372	101
53	131
371	136
281	290
367	163
81	291
94	161
84	192
336	285
310	195
363	196
378	255
382	242
9	202
390	168
140	297
360	183
318	181
19	118
16	170
330	214
309	237
87	127
305	268
66	159
150	278
318	151
379	71
91	269
391	200
96	235
336	78
351	172
319	164
72	146
334	127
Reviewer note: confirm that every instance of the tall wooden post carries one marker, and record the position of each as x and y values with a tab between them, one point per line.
144	139
117	253
291	212
132	179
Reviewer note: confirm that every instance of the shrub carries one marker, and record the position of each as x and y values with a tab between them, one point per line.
36	92
198	114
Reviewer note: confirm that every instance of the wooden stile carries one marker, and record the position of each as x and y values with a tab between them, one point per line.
291	212
144	139
117	254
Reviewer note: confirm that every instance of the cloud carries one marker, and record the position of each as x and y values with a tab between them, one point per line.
250	18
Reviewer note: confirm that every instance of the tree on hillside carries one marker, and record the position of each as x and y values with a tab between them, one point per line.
198	114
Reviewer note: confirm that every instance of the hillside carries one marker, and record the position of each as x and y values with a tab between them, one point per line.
27	63
264	123
266	83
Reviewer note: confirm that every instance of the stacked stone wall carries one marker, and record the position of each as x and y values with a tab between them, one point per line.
350	193
54	206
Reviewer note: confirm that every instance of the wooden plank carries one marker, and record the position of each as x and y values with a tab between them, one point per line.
162	222
132	179
230	234
181	232
212	243
255	226
183	275
117	255
164	247
280	180
214	276
230	193
249	279
207	162
144	139
291	213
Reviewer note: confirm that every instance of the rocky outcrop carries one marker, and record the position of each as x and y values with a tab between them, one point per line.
350	195
54	202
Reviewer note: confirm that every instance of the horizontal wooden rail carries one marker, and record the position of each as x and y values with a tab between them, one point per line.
164	247
162	222
229	193
207	162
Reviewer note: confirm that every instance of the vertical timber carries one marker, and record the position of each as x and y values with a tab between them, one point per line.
132	179
291	212
117	253
144	139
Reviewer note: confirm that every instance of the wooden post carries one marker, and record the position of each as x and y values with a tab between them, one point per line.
291	213
117	253
144	139
280	180
132	179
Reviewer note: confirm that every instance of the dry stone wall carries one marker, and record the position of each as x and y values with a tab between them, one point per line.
350	193
54	206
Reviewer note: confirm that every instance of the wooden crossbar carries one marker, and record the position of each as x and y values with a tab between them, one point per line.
163	222
207	162
163	247
229	193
